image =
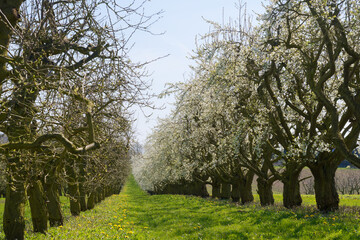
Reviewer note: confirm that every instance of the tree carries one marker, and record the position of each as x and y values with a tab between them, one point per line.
53	59
309	48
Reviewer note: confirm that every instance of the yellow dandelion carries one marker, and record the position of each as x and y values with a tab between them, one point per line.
126	236
79	225
60	226
130	232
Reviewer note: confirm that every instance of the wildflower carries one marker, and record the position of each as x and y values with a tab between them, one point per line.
130	232
126	236
60	226
79	225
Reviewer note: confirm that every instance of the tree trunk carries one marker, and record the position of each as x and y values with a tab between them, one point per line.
13	220
91	201
265	191
225	191
327	198
235	191
37	202
82	180
82	197
246	194
215	188
201	189
54	206
101	194
73	187
74	199
291	190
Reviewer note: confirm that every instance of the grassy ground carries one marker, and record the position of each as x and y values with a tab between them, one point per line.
135	215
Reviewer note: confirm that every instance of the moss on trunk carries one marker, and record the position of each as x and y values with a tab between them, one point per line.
37	202
13	219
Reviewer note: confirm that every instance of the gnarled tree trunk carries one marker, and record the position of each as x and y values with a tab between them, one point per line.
327	198
225	191
291	190
73	187
52	192
82	179
215	188
13	220
265	191
37	202
246	194
91	201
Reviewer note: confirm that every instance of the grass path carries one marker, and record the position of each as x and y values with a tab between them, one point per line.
136	215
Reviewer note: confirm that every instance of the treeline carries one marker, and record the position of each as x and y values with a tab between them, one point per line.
268	101
66	86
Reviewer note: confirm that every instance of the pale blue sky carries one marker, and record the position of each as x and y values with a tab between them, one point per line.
181	21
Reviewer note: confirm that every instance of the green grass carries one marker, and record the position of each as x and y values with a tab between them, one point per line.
136	215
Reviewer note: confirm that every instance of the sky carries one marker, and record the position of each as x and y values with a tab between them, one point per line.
181	22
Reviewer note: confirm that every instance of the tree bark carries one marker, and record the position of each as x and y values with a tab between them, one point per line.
54	206
37	202
235	191
73	187
291	190
246	194
201	190
11	10
82	180
13	220
215	188
265	191
91	201
327	198
225	191
53	195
